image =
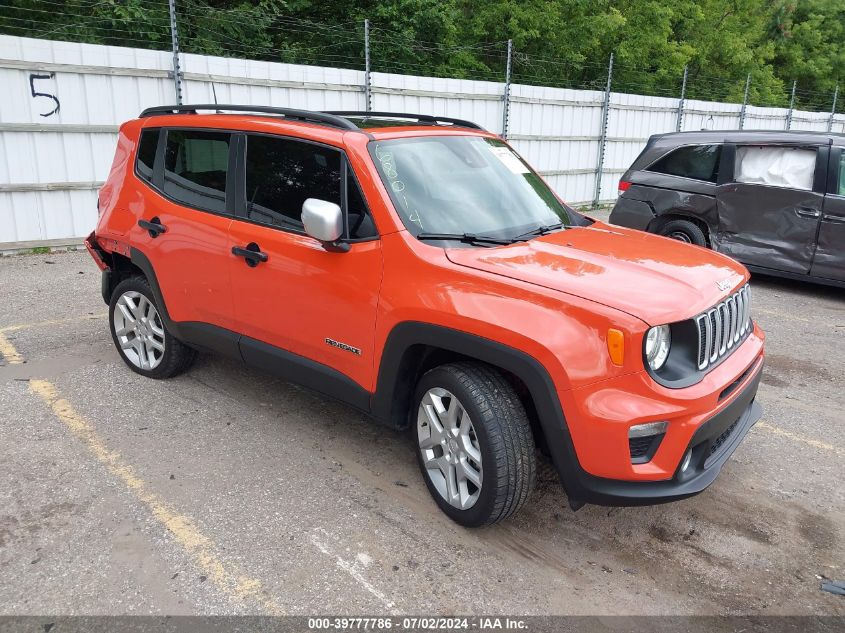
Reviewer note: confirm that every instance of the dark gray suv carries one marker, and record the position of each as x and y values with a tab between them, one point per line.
774	201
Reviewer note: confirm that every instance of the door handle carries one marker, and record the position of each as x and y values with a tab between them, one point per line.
251	253
839	219
154	226
806	212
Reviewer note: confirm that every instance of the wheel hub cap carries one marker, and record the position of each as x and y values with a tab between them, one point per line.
139	330
449	448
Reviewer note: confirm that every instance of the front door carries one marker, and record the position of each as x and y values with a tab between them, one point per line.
316	304
829	262
769	213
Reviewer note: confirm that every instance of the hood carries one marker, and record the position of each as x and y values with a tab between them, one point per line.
654	278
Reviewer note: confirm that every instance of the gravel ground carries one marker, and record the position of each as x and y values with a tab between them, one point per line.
225	491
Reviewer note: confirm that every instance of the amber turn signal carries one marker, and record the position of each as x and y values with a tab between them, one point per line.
616	346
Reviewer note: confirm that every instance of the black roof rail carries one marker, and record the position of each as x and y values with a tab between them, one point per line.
422	118
307	116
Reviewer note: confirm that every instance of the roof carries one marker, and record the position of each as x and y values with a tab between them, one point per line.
340	120
748	136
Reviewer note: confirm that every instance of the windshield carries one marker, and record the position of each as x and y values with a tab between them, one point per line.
465	184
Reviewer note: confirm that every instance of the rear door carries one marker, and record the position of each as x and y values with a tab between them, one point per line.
186	203
319	305
829	261
769	213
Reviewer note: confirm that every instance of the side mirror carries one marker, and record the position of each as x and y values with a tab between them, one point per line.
323	221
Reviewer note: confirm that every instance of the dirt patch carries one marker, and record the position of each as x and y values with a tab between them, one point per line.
806	368
45	518
818	530
774	381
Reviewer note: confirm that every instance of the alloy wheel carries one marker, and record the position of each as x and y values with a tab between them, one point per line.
449	447
139	330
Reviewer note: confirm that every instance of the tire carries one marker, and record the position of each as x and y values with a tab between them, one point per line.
140	335
498	431
683	231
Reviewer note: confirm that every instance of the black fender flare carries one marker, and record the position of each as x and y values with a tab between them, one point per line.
391	403
139	259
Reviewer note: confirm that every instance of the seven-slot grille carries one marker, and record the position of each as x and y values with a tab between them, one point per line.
723	327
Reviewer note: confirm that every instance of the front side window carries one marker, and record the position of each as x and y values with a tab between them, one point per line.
195	167
464	184
282	173
698	162
841	188
789	167
147	147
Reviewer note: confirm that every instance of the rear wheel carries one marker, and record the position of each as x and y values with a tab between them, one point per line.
140	335
474	443
683	231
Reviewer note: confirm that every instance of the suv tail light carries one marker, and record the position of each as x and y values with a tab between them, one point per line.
623	186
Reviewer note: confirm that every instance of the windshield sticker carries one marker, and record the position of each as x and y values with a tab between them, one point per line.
388	165
510	160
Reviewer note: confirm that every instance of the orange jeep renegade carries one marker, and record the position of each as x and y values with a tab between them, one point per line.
418	269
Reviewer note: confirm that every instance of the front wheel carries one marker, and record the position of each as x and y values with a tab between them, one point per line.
140	335
474	443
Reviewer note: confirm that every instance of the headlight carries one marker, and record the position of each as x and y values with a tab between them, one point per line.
657	342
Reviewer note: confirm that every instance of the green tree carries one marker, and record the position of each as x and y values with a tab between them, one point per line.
556	42
808	37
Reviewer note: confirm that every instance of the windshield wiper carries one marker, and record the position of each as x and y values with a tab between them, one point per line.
467	238
543	229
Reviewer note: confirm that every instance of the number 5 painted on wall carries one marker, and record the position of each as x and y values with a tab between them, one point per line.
32	78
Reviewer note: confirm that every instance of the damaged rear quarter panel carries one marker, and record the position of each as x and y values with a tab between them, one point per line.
675	195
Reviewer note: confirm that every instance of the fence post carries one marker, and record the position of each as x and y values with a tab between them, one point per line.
506	97
791	105
833	109
681	101
605	111
174	41
744	102
368	94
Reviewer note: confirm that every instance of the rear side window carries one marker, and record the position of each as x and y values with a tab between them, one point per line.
147	147
282	173
699	162
789	167
195	167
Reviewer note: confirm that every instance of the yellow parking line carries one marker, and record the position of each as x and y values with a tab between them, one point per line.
199	546
26	326
8	351
809	441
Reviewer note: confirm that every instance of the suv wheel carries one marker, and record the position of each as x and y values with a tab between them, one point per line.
474	443
684	231
138	332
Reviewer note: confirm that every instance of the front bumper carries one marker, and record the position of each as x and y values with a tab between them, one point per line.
712	445
592	453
